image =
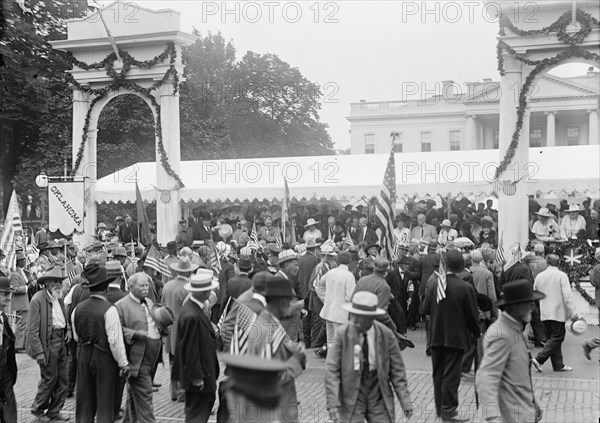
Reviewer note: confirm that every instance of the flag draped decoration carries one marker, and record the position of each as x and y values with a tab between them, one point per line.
387	203
254	233
500	250
13	229
244	319
441	286
215	261
275	337
142	218
155	261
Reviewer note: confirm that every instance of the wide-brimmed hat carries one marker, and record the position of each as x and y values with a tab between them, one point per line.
93	246
183	265
280	287
576	327
119	218
120	252
5	284
544	212
517	292
172	246
249	371
286	255
484	303
202	280
245	262
487	221
365	304
53	274
446	223
114	268
46	245
373	245
102	225
97	277
163	316
311	243
573	208
225	230
311	222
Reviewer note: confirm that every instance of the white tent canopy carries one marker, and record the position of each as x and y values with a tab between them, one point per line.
349	177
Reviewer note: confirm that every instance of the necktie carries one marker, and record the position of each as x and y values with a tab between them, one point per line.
365	370
421	231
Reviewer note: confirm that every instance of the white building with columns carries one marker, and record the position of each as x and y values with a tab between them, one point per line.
447	116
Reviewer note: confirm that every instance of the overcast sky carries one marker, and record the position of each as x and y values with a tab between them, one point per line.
356	49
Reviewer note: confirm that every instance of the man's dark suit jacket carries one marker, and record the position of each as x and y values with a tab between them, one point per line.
201	234
39	324
7	357
127	233
195	350
429	264
455	318
370	237
306	264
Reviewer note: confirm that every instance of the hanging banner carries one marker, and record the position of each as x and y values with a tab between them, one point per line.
65	207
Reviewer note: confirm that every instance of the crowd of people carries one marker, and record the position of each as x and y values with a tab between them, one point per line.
100	319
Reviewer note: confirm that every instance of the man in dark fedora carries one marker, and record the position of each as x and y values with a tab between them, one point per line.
376	283
101	356
8	363
267	338
238	284
503	380
47	334
454	319
173	295
363	365
195	365
248	404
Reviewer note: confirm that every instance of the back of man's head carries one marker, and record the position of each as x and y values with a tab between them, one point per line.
344	257
552	259
477	256
381	265
259	282
455	261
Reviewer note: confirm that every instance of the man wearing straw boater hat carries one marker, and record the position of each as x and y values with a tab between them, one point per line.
363	365
503	381
173	295
195	364
101	356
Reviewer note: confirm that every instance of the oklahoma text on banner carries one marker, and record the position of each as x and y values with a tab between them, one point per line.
65	207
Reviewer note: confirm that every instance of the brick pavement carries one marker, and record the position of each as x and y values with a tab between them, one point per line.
564	397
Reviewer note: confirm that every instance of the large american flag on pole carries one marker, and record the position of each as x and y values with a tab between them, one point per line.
12	229
254	233
387	203
441	285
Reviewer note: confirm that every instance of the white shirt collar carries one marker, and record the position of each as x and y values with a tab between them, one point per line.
197	302
260	298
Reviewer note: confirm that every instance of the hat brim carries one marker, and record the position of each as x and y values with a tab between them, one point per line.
285	259
188	287
105	281
535	297
543	214
318	244
45	279
176	268
348	307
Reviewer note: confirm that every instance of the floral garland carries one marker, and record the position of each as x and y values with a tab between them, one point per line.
577	270
559	27
119	80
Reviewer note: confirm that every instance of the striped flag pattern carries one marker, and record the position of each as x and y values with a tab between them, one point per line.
387	203
441	285
244	319
8	240
500	251
274	340
254	233
215	261
71	272
516	258
155	261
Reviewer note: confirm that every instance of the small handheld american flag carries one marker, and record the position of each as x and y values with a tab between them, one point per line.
441	285
244	319
155	261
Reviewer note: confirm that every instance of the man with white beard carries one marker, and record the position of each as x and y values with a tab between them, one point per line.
47	334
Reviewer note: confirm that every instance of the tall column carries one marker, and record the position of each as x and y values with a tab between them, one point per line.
550	129
513	213
471	133
593	127
168	214
87	168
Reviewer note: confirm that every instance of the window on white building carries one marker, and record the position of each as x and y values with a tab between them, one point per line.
572	135
496	138
455	140
398	142
426	141
535	137
369	143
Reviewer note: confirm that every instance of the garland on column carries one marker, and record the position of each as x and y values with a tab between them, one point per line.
560	27
119	80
